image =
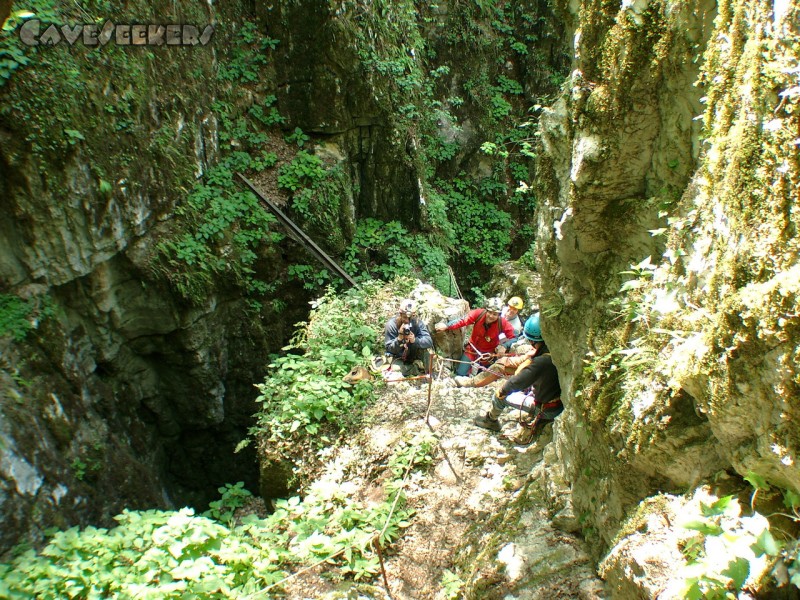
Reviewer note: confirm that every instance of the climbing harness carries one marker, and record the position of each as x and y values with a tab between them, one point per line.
481	357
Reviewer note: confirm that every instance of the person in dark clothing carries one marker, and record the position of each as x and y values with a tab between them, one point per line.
534	390
406	339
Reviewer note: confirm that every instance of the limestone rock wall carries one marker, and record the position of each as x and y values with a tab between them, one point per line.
125	395
324	88
383	85
668	240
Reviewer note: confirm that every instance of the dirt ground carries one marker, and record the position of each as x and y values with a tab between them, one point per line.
476	515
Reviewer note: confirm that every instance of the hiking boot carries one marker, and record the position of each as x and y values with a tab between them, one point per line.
463	381
409	369
486	422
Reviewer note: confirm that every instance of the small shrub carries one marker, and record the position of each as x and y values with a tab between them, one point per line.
728	550
248	55
388	250
305	170
233	496
15	316
18	316
304	393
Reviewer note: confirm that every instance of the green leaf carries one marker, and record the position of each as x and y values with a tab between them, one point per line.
756	481
632	284
738	570
716	508
703	527
766	544
74	134
693	592
791	499
176	548
189	569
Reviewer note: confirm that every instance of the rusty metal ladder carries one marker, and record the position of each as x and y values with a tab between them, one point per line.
299	235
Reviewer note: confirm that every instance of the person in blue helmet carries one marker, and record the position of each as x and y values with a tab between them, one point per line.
534	390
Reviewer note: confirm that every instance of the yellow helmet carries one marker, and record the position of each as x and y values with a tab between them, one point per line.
516	302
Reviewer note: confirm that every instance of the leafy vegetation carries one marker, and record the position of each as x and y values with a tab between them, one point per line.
317	192
224	230
483	231
14	316
233	496
18	316
249	54
424	99
13	54
306	169
303	398
301	393
728	550
388	250
178	554
452	585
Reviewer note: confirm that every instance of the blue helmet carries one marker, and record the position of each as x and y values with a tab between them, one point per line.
532	330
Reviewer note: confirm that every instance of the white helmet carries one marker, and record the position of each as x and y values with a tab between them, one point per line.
408	307
493	304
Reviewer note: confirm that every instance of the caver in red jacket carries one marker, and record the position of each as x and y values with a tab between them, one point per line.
485	336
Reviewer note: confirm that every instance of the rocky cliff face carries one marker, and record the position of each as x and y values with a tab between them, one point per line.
676	139
667	241
139	383
325	89
127	395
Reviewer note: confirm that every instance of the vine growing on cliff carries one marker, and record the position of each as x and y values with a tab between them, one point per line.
224	230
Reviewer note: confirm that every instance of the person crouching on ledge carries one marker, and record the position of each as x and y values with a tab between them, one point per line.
406	340
534	390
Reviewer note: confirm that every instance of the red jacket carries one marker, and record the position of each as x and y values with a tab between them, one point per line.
485	338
